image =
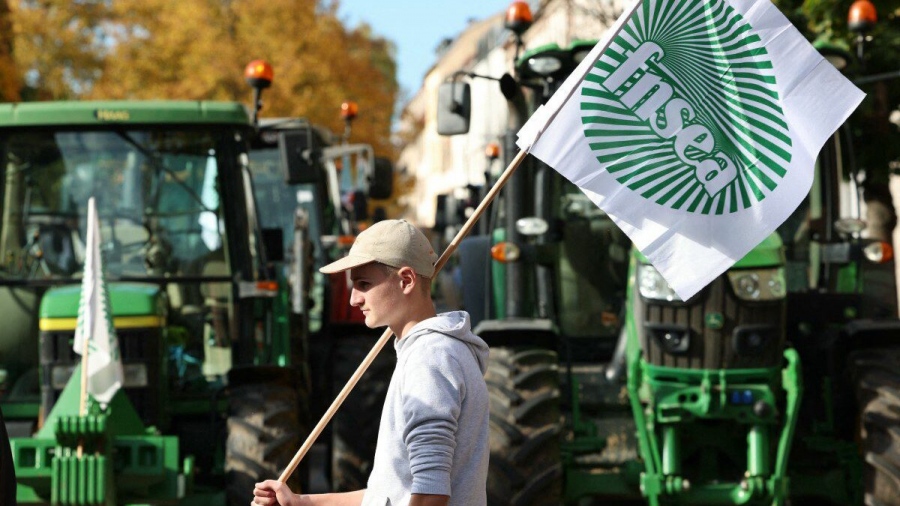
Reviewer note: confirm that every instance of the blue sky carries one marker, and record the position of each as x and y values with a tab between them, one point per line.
416	27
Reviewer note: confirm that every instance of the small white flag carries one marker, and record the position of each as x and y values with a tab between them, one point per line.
695	124
104	363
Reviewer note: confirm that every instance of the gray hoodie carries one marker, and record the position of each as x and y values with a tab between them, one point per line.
433	436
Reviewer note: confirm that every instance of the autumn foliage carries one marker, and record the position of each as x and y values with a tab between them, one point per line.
197	50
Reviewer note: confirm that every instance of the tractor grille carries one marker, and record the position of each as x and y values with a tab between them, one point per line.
713	330
142	354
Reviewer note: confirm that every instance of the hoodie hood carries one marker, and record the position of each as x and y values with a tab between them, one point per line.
455	324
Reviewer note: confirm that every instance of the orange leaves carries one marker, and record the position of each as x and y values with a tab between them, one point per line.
197	50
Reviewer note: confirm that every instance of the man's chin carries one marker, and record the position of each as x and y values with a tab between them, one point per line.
372	323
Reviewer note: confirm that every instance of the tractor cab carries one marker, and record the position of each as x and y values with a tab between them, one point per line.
191	290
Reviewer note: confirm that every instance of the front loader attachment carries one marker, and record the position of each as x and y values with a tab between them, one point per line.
106	457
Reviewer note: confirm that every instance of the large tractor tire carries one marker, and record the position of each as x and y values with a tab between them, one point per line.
877	379
525	465
264	433
355	425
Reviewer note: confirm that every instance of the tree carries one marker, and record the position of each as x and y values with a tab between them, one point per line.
59	46
9	77
165	49
197	50
319	64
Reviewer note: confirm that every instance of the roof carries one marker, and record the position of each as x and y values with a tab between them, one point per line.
123	112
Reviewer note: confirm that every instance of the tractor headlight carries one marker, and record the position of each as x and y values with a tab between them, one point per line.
532	226
879	252
653	286
544	65
758	284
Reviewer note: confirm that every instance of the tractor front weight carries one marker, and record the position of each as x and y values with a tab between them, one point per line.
686	420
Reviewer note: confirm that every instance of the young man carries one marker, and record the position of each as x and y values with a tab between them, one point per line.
433	438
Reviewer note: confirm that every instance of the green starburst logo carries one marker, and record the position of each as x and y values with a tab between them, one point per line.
683	109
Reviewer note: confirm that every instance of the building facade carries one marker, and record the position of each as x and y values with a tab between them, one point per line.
446	165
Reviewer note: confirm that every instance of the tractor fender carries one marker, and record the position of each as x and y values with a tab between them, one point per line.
860	335
863	334
852	342
537	332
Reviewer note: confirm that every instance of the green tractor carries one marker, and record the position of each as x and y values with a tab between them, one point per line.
605	386
211	401
316	188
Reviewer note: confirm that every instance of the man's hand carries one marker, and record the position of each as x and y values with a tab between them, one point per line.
274	493
429	500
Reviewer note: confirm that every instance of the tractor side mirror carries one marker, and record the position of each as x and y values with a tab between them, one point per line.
299	156
381	181
454	108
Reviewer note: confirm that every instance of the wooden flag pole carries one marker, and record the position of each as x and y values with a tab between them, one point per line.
351	383
82	405
86	319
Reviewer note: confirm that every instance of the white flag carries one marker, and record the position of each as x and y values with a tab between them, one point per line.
104	363
695	125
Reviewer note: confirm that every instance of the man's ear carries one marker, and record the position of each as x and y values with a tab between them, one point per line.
408	279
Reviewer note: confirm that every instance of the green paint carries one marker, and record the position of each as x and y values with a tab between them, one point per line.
127	299
498	279
124	112
124	420
20	410
682	397
768	253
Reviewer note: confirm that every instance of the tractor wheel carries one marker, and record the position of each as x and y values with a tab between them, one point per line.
525	465
878	393
264	433
355	425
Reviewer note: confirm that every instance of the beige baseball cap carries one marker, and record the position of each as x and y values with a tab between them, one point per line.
391	242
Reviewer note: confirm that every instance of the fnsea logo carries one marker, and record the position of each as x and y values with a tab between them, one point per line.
683	109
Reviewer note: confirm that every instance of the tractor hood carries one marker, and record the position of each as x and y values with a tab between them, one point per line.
126	299
769	253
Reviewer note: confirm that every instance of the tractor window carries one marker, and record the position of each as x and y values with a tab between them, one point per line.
156	192
593	267
795	235
281	199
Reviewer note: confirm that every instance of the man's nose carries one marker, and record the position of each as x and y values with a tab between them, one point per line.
356	298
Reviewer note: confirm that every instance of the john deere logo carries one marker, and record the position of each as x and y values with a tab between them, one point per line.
714	321
111	115
682	109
